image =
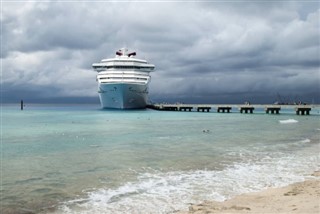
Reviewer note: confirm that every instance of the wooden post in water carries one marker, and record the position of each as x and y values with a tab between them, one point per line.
21	105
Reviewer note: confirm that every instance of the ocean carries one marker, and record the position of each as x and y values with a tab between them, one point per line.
82	159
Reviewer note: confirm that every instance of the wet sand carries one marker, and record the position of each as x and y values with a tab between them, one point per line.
302	197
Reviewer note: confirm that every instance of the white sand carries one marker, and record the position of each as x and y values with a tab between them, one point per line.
303	197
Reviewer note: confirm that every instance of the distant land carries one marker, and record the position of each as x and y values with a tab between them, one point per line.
214	99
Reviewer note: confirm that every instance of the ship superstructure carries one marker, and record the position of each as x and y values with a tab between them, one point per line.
123	81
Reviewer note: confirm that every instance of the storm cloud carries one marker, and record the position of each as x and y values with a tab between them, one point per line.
204	52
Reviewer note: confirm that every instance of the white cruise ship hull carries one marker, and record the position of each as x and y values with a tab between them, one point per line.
123	95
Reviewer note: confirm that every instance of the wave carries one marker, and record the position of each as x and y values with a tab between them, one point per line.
305	141
165	192
288	121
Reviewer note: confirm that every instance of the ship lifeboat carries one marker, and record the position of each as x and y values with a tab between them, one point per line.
132	54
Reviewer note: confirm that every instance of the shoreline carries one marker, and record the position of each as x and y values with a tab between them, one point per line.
301	197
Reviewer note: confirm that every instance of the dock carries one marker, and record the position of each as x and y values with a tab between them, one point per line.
302	110
273	109
224	109
179	107
246	109
269	109
203	108
185	108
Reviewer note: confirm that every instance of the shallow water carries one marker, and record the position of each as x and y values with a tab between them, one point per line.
81	159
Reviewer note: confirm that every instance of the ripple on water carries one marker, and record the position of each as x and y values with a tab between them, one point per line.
30	180
42	190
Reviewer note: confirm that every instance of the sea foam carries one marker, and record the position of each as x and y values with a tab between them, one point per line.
305	141
288	121
165	192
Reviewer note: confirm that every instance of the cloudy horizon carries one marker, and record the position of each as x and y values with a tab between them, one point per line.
204	52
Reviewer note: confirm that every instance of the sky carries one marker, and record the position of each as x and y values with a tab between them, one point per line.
204	51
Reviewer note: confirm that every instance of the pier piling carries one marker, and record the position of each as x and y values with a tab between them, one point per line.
272	109
246	109
185	108
224	109
302	110
203	108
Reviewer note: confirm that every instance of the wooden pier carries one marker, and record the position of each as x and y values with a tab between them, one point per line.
302	110
273	109
246	109
224	109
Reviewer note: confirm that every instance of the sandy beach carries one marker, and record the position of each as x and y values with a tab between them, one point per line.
302	197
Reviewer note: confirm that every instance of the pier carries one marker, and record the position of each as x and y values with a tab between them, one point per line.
302	110
224	109
273	109
185	108
269	109
168	107
203	108
179	107
246	109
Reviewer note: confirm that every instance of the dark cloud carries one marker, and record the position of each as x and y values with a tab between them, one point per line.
45	26
203	52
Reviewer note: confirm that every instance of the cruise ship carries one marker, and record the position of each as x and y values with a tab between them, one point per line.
123	81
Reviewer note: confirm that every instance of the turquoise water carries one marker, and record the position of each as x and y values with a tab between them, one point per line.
81	159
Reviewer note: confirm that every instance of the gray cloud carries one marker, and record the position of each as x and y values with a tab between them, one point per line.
204	52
